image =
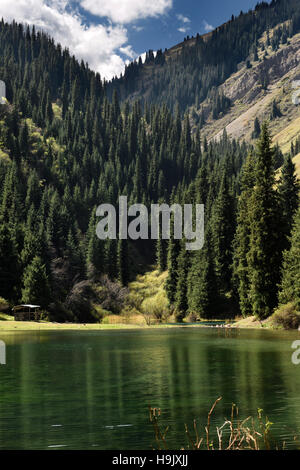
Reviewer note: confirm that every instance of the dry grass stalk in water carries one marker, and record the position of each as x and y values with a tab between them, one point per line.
234	434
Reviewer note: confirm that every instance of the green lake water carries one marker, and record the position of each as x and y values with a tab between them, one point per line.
91	390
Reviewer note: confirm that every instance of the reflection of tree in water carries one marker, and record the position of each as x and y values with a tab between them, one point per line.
98	385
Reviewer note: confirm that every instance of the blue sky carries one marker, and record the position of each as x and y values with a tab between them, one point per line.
187	17
107	33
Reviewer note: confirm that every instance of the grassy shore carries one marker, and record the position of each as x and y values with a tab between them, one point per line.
11	325
7	323
253	323
30	326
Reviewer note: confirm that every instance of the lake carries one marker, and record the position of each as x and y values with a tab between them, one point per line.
91	390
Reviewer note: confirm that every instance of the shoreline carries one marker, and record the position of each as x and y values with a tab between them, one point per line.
244	323
9	326
12	325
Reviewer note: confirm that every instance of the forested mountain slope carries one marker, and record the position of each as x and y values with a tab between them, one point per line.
261	51
187	73
67	145
251	103
65	149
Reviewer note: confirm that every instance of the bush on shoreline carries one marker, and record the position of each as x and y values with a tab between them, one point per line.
287	316
4	305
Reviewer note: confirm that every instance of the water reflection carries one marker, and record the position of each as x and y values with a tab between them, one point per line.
91	389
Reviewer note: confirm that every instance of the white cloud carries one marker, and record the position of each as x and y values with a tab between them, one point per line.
104	46
207	27
99	45
126	11
138	29
184	28
182	18
128	51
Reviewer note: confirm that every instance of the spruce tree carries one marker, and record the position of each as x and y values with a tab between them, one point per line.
181	301
289	197
161	254
222	233
242	238
257	129
95	253
9	263
111	265
172	264
36	285
264	256
123	262
275	111
202	284
290	285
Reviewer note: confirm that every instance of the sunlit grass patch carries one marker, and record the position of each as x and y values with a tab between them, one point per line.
296	160
285	137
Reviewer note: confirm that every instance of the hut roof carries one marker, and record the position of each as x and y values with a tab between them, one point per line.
27	305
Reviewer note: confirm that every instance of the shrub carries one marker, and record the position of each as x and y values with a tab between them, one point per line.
287	316
134	300
193	317
156	307
111	295
79	301
98	313
4	305
131	315
59	313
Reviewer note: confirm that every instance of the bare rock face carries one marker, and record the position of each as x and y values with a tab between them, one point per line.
252	92
236	88
245	85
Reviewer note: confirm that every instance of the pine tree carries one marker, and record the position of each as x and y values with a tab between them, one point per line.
161	254
24	140
172	263
36	285
9	264
95	253
181	301
49	111
242	237
202	286
264	257
74	253
289	197
222	233
32	247
275	111
123	262
257	129
111	258
290	285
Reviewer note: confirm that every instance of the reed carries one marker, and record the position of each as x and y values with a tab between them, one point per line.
234	434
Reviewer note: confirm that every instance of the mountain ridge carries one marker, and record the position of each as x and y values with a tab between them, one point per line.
243	96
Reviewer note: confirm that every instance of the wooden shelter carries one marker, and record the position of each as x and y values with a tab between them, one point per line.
27	312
